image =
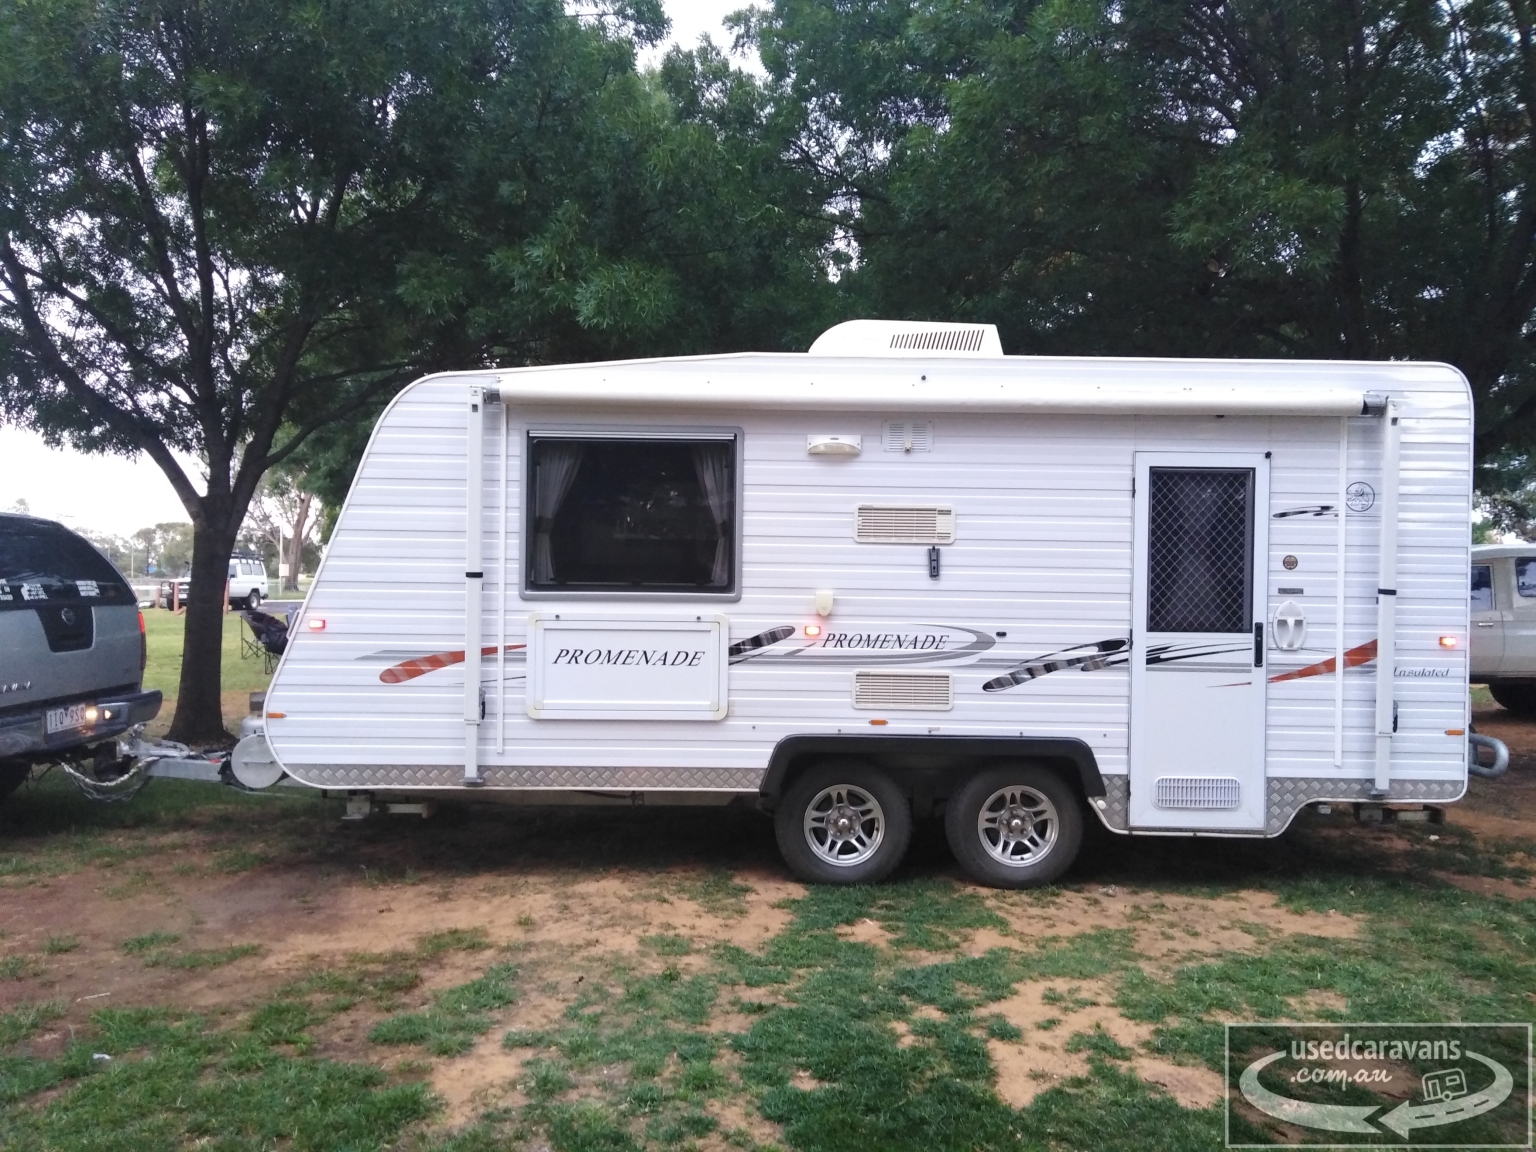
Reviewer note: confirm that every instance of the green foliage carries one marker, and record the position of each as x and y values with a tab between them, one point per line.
1302	178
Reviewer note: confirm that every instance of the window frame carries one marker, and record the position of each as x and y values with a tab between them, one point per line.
1515	572
1493	597
710	433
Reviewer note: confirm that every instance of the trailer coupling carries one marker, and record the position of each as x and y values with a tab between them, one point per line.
1475	743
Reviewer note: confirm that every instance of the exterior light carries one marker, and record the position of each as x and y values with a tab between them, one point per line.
813	630
1448	641
315	624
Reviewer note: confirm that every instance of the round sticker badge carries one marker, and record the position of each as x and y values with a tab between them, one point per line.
1359	496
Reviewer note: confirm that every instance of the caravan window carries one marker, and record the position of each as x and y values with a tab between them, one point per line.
642	514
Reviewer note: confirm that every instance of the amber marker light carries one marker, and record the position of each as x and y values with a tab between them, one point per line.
1448	641
813	630
1455	731
878	722
315	624
276	715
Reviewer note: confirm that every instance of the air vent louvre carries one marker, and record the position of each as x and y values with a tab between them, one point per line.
1198	792
908	435
904	691
904	524
944	340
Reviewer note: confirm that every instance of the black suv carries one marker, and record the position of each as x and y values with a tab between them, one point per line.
71	650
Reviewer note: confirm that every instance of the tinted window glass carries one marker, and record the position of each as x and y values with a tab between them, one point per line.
1482	588
1525	575
1199	550
631	515
40	562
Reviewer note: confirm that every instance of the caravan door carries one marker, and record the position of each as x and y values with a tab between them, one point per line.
1197	640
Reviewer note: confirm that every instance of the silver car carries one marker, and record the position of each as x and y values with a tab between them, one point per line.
72	652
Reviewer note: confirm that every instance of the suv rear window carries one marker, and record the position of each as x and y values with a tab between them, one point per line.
40	562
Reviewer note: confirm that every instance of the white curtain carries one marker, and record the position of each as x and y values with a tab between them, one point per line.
554	473
712	463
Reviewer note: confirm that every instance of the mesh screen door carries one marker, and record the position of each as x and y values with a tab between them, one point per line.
1200	550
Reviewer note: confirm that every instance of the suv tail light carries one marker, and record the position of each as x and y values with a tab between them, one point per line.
143	646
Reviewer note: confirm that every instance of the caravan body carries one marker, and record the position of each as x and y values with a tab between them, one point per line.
1203	594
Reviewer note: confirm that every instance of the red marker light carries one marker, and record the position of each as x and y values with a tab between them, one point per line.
813	630
315	624
1448	641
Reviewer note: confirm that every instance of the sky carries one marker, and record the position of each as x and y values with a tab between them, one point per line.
117	496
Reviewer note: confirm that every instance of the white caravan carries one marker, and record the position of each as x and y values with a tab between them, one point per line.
899	575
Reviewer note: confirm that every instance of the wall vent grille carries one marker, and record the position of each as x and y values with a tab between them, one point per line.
904	691
943	340
904	524
908	435
1198	792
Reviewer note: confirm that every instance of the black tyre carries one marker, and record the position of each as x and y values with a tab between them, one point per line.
1014	826
843	823
12	776
253	600
1518	698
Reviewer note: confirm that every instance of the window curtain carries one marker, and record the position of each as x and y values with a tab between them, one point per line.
554	474
712	463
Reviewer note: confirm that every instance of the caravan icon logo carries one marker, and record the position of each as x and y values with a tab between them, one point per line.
1413	1085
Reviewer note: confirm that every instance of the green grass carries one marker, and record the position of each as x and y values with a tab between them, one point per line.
894	1037
175	1081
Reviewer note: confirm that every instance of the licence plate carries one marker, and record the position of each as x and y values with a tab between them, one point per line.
59	719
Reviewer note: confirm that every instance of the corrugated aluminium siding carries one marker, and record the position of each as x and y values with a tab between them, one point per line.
1043	554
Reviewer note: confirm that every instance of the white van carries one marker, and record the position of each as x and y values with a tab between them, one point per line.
248	585
901	575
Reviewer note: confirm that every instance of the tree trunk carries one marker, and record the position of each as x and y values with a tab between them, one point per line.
296	544
199	719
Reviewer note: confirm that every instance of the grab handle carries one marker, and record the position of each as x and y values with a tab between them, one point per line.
1258	645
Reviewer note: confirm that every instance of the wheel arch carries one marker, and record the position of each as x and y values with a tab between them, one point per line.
949	759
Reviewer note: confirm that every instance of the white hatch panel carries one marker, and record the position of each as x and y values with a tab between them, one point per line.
583	667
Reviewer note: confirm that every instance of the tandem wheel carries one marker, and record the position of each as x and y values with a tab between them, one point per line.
1014	826
843	823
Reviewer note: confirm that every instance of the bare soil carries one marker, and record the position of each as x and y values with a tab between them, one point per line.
576	896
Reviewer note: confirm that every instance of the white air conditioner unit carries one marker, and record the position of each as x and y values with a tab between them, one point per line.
908	338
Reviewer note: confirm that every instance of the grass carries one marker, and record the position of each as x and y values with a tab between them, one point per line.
163	632
838	1043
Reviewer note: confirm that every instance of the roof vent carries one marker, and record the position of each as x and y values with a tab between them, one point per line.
908	338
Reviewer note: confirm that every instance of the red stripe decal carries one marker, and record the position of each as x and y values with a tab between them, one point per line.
1364	654
421	665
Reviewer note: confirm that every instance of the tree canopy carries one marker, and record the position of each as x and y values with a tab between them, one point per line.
234	229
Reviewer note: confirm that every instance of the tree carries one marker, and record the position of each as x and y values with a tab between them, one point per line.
1208	177
284	512
226	226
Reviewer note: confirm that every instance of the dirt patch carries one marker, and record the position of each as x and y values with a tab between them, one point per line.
484	1077
1168	930
804	1081
1487	885
1191	1087
1050	1013
738	1114
1315	1003
864	932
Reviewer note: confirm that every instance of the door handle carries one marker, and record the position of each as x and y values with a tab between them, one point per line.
1258	645
1485	623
